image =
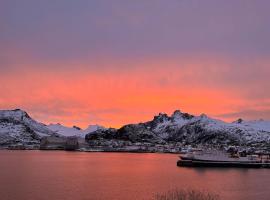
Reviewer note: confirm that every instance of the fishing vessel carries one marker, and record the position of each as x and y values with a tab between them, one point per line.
221	159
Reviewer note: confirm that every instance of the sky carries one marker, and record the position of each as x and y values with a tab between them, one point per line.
123	61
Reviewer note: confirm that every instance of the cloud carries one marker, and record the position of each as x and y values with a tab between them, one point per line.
123	61
115	96
247	115
87	30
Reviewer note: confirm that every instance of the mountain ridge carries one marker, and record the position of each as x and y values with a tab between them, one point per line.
178	129
189	130
17	127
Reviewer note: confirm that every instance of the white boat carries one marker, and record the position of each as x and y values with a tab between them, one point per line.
221	159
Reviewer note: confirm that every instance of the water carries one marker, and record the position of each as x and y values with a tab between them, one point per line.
57	175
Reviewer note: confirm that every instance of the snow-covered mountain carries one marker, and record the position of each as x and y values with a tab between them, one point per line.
73	131
257	125
17	127
189	129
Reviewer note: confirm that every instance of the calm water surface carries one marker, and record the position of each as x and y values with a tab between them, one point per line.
45	175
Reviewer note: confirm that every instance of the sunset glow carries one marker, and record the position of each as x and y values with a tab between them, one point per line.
121	63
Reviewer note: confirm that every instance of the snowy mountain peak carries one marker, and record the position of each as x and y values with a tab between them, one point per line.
161	117
73	131
238	121
177	114
76	127
16	114
16	126
204	116
92	128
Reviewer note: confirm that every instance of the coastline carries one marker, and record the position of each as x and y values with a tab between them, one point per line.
91	150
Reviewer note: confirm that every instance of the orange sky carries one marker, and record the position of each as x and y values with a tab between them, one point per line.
118	62
115	97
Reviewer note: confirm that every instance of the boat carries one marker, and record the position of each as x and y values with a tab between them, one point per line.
223	160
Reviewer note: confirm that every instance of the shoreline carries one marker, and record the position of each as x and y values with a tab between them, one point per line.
90	151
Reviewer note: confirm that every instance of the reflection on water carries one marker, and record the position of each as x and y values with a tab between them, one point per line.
43	175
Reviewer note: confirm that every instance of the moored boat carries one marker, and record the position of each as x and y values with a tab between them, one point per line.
223	160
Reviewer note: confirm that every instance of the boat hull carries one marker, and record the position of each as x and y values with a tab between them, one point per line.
198	163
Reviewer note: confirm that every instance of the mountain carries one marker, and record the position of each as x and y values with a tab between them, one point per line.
163	133
73	131
17	127
188	129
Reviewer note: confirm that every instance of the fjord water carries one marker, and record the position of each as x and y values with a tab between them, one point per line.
43	175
